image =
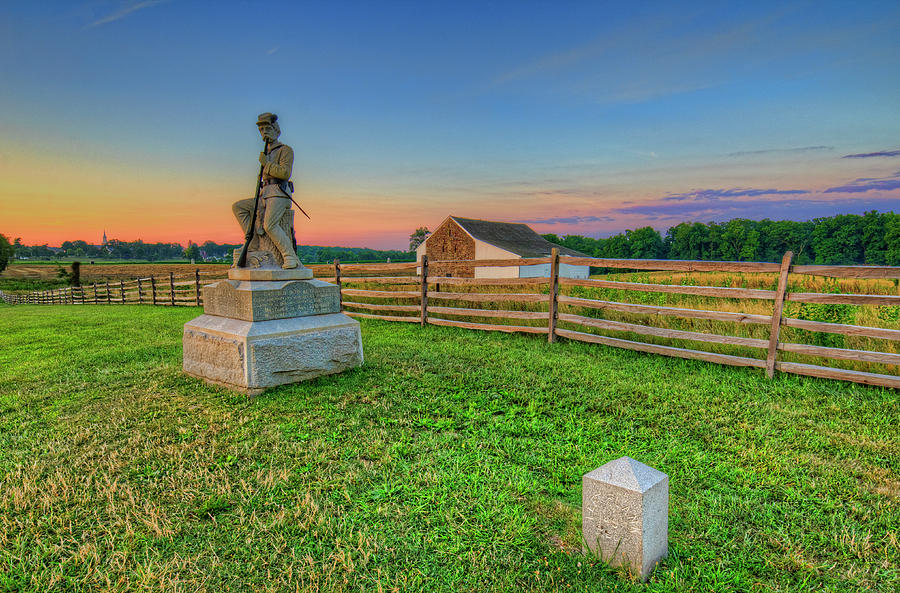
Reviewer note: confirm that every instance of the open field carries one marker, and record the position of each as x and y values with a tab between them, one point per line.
108	271
451	461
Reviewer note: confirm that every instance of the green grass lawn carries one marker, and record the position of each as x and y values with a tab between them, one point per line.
451	461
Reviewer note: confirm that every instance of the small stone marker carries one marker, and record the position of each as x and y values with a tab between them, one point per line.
625	515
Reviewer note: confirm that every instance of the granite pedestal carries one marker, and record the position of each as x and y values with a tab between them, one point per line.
625	514
266	326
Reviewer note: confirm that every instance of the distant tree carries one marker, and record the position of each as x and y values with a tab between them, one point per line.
645	243
192	252
553	238
616	247
585	245
418	237
7	251
687	241
892	239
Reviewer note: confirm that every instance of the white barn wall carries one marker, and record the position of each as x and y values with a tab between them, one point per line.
570	271
543	271
536	271
487	251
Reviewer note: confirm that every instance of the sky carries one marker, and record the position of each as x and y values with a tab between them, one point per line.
589	118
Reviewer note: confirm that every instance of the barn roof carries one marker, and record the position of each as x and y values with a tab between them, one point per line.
515	237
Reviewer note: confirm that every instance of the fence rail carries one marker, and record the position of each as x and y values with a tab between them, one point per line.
408	293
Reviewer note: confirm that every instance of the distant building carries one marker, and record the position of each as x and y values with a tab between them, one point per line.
104	239
460	238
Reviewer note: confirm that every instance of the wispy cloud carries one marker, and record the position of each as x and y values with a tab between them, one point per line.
714	195
721	210
800	150
651	57
568	220
866	184
124	10
869	155
273	50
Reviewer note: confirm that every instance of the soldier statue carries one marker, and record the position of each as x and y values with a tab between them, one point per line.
274	191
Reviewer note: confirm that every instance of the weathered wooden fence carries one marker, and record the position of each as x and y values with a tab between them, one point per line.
168	289
426	297
412	295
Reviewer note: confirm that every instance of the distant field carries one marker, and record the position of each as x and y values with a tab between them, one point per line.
451	461
107	271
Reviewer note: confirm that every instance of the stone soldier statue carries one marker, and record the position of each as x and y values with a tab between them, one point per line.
275	191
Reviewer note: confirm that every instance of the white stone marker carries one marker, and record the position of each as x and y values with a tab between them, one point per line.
625	514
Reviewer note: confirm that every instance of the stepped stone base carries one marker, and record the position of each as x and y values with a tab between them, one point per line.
261	301
300	273
250	356
259	334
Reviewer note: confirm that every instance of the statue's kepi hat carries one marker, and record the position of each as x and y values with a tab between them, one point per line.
266	118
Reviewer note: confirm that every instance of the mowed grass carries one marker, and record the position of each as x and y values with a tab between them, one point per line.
451	461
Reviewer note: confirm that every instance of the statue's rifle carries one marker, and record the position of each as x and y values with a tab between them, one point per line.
242	260
300	209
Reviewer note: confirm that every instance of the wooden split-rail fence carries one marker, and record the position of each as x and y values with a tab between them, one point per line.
413	294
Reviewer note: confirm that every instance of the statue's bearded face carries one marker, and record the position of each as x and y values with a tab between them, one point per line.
268	132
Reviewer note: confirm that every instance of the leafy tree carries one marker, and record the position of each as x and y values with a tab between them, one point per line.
418	237
892	239
553	238
644	243
7	251
192	252
687	241
616	247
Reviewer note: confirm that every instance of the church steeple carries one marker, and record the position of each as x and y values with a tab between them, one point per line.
104	237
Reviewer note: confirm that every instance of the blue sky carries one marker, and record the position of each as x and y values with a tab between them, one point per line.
584	118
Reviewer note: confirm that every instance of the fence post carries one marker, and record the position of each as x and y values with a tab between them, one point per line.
337	280
122	290
108	294
153	287
424	300
553	308
140	292
776	313
172	288
96	300
197	285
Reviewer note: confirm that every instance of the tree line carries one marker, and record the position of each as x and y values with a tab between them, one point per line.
208	251
872	239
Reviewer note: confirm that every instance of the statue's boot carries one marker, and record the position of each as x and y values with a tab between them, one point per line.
290	262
